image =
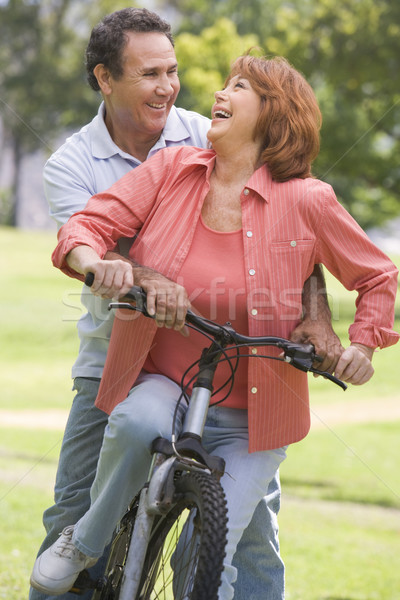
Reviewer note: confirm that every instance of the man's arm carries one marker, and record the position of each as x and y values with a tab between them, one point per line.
316	326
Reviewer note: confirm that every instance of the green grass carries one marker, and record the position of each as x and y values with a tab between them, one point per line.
340	517
37	323
349	463
28	461
339	551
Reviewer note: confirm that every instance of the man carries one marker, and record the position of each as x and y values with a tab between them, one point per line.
131	61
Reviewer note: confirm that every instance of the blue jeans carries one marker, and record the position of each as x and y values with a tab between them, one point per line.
126	456
260	568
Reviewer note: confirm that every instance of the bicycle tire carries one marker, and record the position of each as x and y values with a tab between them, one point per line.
114	569
174	568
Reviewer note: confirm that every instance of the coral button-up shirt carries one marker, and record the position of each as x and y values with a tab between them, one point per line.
287	228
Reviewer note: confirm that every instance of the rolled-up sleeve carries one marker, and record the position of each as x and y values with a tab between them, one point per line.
118	212
345	249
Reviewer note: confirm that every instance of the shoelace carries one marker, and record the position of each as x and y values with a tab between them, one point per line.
66	548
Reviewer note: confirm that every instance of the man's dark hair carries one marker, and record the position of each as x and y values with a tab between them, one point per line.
108	39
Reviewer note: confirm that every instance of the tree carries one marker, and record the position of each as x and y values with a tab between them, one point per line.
349	50
204	61
42	79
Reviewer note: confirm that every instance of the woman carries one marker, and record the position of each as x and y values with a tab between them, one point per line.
235	230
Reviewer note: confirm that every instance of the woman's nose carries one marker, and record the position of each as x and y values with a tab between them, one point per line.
220	94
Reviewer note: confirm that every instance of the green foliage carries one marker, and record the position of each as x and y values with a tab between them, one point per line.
349	50
41	66
42	79
204	62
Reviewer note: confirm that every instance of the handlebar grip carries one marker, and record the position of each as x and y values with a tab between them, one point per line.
89	279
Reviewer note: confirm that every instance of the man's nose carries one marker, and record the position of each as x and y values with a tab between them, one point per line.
164	85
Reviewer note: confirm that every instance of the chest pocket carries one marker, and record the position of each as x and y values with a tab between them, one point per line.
291	263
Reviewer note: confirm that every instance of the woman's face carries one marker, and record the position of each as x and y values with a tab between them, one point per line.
235	113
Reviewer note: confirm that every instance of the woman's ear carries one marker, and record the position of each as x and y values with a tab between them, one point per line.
103	77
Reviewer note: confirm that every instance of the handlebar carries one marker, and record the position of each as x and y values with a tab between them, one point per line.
300	356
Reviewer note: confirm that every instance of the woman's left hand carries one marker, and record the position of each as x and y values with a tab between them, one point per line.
354	365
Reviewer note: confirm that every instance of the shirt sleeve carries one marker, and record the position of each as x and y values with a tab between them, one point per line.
117	212
68	187
347	252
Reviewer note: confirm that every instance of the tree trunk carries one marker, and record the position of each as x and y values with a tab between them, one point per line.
15	199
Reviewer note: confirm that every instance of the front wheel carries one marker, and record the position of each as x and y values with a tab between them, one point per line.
184	558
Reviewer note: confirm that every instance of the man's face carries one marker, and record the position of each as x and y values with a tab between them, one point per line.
142	98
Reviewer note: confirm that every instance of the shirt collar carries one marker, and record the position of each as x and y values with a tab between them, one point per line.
260	182
104	147
174	130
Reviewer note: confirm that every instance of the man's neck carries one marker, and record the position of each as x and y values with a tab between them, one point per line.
130	141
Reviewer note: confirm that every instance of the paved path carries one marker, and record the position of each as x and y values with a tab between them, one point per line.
324	415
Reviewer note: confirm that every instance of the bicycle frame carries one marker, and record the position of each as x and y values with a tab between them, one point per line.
187	452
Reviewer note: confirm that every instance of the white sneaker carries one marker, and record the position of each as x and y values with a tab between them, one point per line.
56	570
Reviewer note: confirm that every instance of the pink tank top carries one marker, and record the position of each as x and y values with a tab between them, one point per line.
213	276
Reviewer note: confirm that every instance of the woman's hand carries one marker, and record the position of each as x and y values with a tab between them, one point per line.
354	365
166	300
112	278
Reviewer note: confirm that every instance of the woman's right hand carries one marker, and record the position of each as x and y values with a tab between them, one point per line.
112	278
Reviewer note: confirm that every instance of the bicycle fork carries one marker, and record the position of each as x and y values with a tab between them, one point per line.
142	529
159	492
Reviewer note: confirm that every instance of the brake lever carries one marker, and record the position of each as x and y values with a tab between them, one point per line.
302	357
138	296
331	377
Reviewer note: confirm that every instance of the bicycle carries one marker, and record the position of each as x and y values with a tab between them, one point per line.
170	543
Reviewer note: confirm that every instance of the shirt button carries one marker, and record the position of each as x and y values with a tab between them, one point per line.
254	390
246	192
293	243
249	234
252	272
254	311
254	350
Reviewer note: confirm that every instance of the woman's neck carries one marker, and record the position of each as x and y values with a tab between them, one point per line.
236	167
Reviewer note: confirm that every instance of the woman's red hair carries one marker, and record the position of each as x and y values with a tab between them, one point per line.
290	117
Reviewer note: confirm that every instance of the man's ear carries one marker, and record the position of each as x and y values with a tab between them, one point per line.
103	77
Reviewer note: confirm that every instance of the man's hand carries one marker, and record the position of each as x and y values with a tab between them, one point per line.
324	339
167	300
354	365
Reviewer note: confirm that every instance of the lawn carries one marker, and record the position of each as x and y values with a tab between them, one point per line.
340	517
